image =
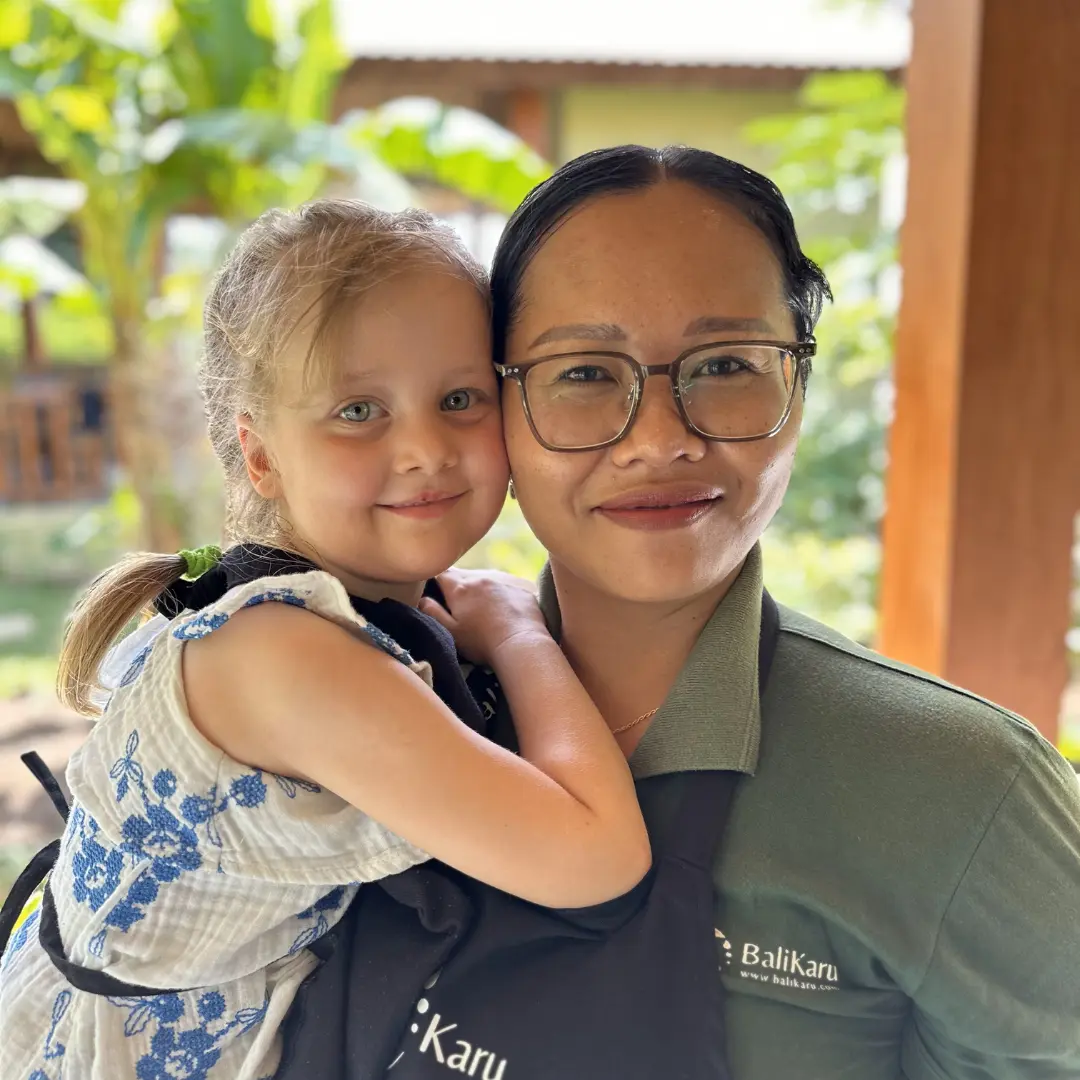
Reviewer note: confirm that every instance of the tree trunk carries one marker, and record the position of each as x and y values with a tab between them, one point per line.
144	453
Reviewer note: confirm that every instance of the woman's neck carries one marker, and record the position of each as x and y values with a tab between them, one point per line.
628	654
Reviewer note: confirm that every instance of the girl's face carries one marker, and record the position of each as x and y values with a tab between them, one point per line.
395	467
650	273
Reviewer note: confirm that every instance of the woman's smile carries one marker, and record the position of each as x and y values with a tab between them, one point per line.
673	506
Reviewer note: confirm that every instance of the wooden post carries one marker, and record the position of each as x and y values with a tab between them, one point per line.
984	476
61	450
7	448
528	116
33	356
29	483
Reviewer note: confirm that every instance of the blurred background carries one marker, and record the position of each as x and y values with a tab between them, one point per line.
137	137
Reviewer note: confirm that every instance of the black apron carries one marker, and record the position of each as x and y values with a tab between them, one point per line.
430	972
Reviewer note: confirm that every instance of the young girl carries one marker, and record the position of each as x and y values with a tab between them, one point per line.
273	749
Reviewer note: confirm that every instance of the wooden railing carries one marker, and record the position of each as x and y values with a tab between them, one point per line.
54	443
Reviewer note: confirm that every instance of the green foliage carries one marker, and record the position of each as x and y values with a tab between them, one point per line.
460	149
831	159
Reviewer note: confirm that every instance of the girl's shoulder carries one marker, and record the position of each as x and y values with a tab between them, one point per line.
315	590
145	757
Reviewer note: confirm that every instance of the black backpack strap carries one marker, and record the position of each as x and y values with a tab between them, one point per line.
27	883
25	886
39	866
43	775
82	978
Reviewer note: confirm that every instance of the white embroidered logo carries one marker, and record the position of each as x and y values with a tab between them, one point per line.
458	1055
780	966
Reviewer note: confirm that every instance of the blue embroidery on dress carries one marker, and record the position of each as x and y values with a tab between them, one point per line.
388	644
184	1053
21	936
96	945
290	785
95	868
53	1047
163	839
200	626
137	665
284	596
330	902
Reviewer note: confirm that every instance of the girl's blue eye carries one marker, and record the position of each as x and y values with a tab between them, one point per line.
457	400
360	411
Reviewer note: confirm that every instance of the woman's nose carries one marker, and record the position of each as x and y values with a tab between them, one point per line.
658	435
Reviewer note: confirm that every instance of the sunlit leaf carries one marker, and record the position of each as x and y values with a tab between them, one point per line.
221	50
15	22
260	17
81	107
455	147
309	86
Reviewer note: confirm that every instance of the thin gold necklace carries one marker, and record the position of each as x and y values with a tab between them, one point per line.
634	723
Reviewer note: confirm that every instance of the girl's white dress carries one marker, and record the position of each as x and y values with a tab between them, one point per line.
181	868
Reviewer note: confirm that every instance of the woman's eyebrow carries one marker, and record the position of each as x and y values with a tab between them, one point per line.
707	324
726	324
581	331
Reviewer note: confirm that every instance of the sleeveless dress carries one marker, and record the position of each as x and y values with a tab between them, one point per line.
181	867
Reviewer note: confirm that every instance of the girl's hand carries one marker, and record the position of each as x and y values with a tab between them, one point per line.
487	608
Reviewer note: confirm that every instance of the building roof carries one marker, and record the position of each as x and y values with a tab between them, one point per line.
722	33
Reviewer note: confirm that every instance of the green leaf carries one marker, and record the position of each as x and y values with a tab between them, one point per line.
840	90
81	107
14	80
243	134
97	21
455	147
15	22
219	54
260	17
309	84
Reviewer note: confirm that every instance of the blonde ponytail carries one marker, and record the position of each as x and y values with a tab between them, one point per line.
117	596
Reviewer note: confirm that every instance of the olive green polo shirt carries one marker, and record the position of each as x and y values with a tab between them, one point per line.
898	891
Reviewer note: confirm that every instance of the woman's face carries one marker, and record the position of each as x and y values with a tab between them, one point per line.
650	274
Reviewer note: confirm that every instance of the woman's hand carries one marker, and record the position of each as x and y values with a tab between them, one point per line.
487	608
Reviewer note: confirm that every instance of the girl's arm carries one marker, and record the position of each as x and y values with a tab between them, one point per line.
285	690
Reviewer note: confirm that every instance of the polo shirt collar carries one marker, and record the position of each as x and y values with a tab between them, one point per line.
711	718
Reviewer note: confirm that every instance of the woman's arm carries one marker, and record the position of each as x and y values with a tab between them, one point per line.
560	827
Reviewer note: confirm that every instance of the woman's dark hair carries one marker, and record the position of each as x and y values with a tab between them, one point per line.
620	169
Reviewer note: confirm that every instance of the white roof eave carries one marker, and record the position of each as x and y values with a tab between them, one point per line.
810	34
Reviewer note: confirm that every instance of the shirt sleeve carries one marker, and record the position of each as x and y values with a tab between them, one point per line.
1000	999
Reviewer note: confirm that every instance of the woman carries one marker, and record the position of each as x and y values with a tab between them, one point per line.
897	891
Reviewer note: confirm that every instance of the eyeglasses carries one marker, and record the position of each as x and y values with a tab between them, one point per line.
726	391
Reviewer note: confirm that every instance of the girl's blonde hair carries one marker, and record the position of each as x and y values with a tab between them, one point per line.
286	267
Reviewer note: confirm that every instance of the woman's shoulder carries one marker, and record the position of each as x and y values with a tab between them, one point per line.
867	702
903	771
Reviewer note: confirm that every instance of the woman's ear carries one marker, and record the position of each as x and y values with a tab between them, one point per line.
260	466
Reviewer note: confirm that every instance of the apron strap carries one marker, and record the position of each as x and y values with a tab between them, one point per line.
706	799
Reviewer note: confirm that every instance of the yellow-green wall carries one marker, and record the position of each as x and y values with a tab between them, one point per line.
593	116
